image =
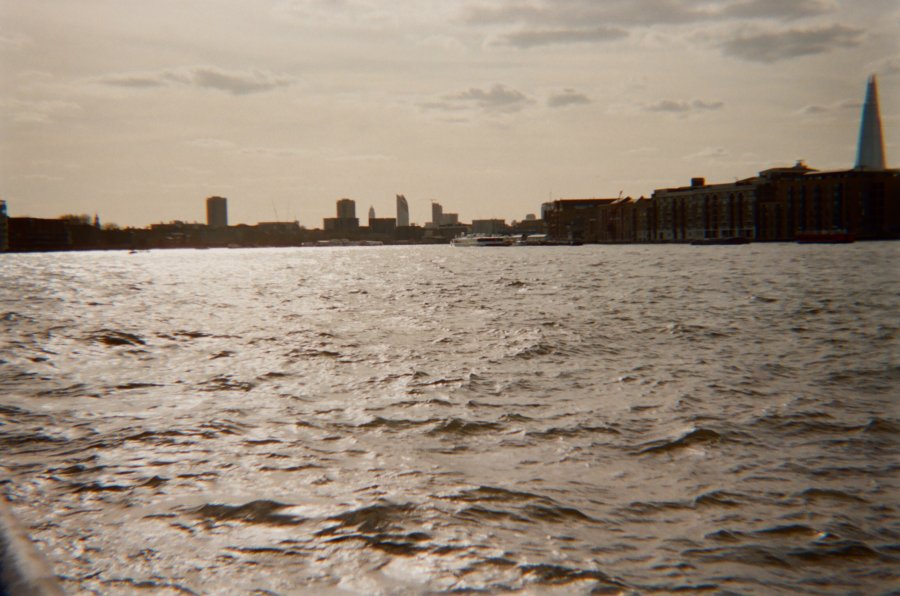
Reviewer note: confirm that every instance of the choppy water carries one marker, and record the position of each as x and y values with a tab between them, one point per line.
393	420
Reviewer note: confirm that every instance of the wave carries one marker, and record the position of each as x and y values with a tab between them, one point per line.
371	518
573	431
460	427
520	506
112	337
561	575
788	557
696	436
255	512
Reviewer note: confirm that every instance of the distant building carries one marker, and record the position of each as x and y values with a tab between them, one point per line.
703	211
371	214
528	227
575	220
346	224
402	211
346	209
32	234
870	152
862	203
437	214
489	226
4	227
545	208
217	212
383	227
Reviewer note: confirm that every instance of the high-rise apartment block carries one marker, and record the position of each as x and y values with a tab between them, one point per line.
346	209
437	214
217	212
402	211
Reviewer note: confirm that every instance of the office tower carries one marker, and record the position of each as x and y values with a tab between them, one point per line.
870	152
217	212
437	214
346	209
371	214
402	211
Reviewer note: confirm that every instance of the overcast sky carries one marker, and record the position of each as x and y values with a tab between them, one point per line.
138	110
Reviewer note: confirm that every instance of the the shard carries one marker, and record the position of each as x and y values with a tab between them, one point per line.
870	152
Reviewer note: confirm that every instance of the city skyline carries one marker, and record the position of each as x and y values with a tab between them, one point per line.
489	108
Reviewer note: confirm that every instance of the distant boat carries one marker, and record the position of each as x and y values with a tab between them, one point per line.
731	240
824	237
467	240
533	240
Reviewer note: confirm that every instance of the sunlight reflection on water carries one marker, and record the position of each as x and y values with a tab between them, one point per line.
645	418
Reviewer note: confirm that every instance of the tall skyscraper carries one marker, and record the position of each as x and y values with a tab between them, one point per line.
402	211
346	209
437	214
371	214
217	212
870	152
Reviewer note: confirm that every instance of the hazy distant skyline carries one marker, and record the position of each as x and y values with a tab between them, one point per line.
138	111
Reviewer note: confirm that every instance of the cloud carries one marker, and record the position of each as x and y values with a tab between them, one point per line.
526	24
40	111
206	77
209	143
569	97
237	83
498	98
814	110
777	9
887	68
818	110
594	13
586	13
530	38
684	107
14	40
709	153
783	45
363	157
365	13
134	82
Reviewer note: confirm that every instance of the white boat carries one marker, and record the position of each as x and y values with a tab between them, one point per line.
534	240
467	240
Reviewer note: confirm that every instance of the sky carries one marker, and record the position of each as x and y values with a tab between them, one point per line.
138	110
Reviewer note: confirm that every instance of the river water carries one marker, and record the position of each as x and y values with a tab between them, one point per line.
409	420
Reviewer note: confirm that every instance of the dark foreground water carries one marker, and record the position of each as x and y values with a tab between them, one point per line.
632	419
